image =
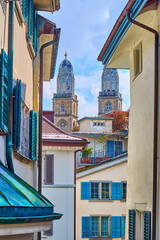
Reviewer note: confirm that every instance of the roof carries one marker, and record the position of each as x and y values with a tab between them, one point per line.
47	5
95	118
52	133
120	28
19	202
87	170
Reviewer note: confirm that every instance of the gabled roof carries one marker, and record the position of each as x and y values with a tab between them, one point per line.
21	203
53	135
87	170
120	28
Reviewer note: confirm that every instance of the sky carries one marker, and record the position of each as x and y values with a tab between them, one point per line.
85	26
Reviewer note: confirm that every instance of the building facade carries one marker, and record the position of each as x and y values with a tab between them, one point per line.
109	98
138	50
101	200
59	186
65	103
23	210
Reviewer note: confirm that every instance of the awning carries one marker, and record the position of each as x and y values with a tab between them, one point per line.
21	203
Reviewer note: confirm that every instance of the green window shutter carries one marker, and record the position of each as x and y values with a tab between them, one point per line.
4	93
35	31
17	114
25	10
132	219
33	135
147	225
30	19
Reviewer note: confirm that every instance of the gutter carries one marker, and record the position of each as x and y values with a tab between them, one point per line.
10	76
57	33
155	137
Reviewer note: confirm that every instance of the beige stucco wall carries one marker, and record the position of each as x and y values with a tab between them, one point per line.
116	173
87	126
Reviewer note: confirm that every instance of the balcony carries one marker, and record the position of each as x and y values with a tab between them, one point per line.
92	160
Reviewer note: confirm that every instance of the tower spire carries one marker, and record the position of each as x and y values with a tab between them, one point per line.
65	55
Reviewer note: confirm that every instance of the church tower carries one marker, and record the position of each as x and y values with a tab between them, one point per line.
109	98
65	104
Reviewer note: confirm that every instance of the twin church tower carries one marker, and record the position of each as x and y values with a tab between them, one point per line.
65	103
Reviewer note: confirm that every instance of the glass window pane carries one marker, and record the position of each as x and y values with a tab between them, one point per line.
104	227
95	227
105	191
95	190
124	193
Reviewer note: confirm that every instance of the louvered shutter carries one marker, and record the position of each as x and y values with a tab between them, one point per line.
49	169
25	10
86	227
33	136
17	114
35	32
116	226
147	225
132	219
85	190
30	18
116	191
110	149
4	91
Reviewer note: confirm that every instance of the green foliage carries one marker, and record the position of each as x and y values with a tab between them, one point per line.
87	152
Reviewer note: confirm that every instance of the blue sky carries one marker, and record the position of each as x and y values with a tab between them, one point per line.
85	26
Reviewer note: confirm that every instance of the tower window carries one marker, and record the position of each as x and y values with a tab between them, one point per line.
63	126
137	58
62	107
108	107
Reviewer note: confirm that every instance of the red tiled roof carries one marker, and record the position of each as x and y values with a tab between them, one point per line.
52	133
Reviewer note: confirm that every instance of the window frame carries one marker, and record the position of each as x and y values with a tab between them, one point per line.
135	72
124	199
100	191
45	169
100	226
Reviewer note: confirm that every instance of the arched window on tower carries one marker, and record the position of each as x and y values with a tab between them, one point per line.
63	126
62	107
108	107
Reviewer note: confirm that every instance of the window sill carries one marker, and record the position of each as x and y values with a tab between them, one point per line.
99	238
101	200
30	48
21	157
19	14
137	75
3	133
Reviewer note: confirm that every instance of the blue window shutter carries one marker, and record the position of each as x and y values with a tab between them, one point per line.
33	135
35	32
17	114
147	225
86	227
116	191
25	10
85	190
116	226
110	149
30	18
132	215
4	91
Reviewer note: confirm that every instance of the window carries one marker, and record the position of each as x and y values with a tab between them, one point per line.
105	190
124	190
99	124
95	226
104	226
62	107
94	190
49	169
63	126
108	107
114	148
124	225
118	148
137	57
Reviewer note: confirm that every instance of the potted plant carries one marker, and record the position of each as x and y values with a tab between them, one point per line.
86	155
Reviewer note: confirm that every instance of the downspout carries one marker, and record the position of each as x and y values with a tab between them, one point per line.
10	76
57	33
155	138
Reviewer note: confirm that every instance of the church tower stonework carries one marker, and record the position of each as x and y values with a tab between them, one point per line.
65	103
109	98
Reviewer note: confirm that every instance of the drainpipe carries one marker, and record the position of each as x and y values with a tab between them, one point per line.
57	33
10	76
155	138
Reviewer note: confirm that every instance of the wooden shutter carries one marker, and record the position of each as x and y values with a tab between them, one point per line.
4	91
49	169
30	18
147	225
86	227
132	219
116	226
33	136
110	149
116	191
17	114
85	190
